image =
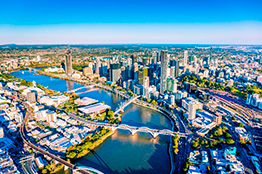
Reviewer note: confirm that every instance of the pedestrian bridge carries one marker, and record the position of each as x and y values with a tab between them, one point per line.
125	104
153	132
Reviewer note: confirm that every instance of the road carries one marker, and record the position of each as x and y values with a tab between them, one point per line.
43	152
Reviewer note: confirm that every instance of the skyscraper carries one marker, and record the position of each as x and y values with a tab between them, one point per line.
171	85
68	63
98	65
114	72
142	72
211	53
154	56
134	58
146	82
191	110
185	57
175	64
164	64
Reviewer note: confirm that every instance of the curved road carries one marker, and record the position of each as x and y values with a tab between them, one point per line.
22	133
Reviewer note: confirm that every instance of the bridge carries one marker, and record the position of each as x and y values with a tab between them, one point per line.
125	104
32	69
153	132
88	169
74	90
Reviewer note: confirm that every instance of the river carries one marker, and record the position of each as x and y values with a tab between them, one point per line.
122	152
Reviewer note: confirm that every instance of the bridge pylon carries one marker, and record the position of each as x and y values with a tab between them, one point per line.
154	134
133	131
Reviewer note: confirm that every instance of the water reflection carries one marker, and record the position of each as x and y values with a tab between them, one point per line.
69	85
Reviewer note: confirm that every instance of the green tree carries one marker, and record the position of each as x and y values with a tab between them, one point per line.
241	125
71	155
230	141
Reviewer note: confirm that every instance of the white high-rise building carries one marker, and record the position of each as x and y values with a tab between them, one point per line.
163	77
146	82
192	110
185	57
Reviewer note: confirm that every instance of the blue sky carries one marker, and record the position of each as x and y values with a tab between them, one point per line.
136	21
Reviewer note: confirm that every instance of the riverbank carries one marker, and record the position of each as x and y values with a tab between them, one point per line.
171	157
90	143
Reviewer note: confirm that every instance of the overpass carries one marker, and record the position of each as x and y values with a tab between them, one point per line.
125	104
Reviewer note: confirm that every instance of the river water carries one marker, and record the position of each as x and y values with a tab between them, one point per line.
122	152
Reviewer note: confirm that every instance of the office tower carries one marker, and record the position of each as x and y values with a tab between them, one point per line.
68	63
176	68
138	89
172	71
146	82
158	57
114	72
142	72
98	65
123	73
195	59
154	56
129	71
130	84
191	110
171	100
87	71
163	76
211	49
31	97
129	61
185	57
134	59
171	84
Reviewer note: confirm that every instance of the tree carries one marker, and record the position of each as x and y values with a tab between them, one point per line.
228	135
224	128
176	150
148	100
230	141
233	118
241	125
71	155
242	142
153	102
218	132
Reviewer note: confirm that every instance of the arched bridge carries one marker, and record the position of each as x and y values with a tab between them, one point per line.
153	132
74	90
